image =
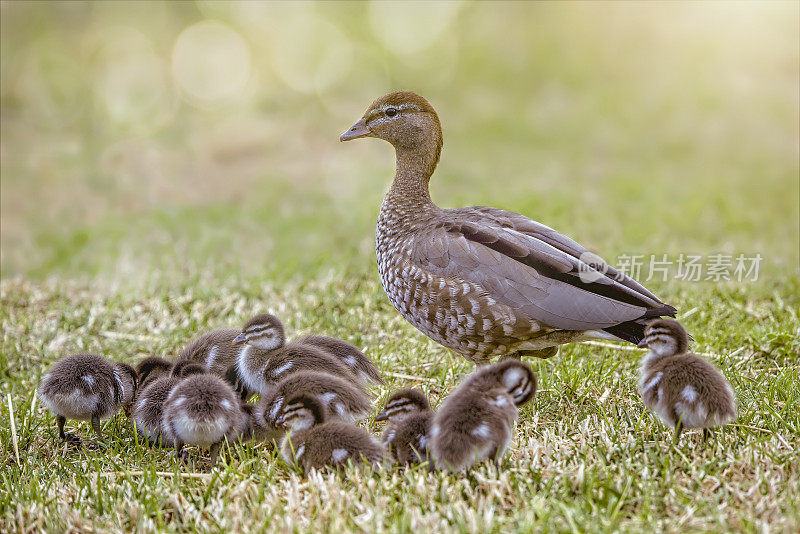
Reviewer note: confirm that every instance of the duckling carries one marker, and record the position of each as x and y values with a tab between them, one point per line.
315	442
202	409
408	434
148	410
342	399
86	387
684	390
475	422
358	362
267	358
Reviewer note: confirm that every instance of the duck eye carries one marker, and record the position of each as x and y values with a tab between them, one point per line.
391	112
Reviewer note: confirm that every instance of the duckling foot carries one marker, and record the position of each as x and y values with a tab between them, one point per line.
71	439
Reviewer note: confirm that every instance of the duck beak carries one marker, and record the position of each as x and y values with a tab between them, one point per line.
238	340
280	420
359	129
642	344
383	416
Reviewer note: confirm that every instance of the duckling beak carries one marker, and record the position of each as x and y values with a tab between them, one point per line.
359	129
642	344
383	416
280	420
238	340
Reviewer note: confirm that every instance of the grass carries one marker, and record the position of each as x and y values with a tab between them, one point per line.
659	129
587	455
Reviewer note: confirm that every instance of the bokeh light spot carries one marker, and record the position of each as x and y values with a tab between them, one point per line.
211	62
410	27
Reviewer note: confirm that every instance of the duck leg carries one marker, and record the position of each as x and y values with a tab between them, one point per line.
180	454
678	430
706	434
215	453
96	426
69	437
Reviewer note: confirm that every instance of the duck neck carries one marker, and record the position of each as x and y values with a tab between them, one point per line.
415	166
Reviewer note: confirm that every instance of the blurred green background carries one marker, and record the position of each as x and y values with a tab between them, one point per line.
147	138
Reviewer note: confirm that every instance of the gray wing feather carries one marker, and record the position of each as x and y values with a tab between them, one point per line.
534	276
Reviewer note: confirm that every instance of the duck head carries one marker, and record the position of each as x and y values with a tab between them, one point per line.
407	121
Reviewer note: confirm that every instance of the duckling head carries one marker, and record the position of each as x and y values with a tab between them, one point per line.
402	404
300	413
518	380
665	337
263	331
404	119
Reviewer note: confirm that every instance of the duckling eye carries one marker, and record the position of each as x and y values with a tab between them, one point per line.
390	112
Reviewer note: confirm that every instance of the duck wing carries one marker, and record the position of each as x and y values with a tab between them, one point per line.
533	269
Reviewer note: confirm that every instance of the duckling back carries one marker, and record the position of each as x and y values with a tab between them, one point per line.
214	351
340	398
333	444
348	354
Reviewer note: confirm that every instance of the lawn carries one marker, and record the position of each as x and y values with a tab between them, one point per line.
145	200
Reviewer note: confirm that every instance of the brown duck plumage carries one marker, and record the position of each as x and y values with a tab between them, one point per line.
483	281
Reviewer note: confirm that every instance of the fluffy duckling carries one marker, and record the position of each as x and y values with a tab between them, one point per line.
86	387
148	410
204	410
267	358
684	390
315	442
342	399
407	435
475	422
358	362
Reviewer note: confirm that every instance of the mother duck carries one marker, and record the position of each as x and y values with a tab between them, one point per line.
482	281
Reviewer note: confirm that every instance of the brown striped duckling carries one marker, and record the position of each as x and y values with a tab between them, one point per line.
313	441
407	436
86	387
475	422
267	358
148	410
683	389
342	399
203	410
